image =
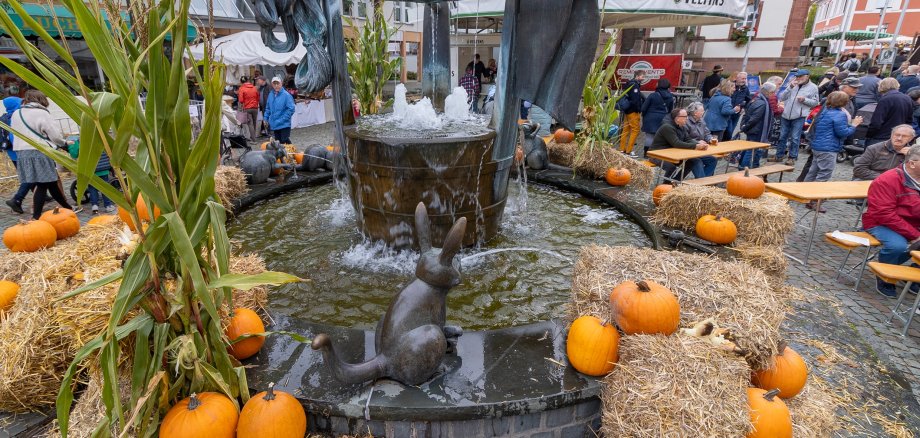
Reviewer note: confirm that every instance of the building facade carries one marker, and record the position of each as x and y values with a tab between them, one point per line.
852	15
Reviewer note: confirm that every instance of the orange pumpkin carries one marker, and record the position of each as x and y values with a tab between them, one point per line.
263	146
142	212
103	219
645	307
272	414
769	415
29	236
617	177
245	322
660	191
563	136
207	414
788	375
64	221
8	292
716	229
330	148
592	346
745	185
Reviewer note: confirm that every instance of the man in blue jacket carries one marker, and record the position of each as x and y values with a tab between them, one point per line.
279	108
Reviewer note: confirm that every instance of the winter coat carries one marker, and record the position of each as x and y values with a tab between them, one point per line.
248	96
670	135
11	104
741	97
869	90
228	121
795	109
279	109
710	82
634	97
656	106
894	202
719	112
698	129
263	95
893	109
39	119
876	160
831	128
907	82
757	120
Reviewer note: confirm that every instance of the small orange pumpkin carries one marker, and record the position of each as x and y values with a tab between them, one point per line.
617	177
29	236
769	414
563	136
788	375
645	307
65	221
716	229
298	157
207	414
245	322
8	293
660	191
103	219
330	148
274	414
745	185
142	213
592	346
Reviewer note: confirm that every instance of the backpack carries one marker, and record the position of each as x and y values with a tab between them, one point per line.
852	64
5	143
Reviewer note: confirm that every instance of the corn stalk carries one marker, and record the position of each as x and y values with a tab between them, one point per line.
369	63
175	283
599	102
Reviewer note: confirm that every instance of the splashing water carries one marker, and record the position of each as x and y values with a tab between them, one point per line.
456	106
418	116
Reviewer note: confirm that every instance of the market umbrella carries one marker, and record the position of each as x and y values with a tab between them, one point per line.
487	14
854	35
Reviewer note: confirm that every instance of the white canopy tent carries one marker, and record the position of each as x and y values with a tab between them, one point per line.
247	48
483	14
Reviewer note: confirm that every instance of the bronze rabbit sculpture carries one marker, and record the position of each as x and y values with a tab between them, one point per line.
411	338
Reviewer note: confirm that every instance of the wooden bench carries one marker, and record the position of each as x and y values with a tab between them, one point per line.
892	274
849	246
760	171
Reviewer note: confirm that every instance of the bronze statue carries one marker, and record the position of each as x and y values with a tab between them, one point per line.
411	337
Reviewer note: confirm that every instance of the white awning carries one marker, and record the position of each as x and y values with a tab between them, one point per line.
619	13
247	48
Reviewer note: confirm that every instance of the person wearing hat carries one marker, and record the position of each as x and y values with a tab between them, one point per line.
279	108
249	104
228	120
850	86
798	100
710	82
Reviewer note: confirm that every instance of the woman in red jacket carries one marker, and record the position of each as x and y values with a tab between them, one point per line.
893	214
249	104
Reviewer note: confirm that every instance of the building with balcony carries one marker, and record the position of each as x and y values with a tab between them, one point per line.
834	16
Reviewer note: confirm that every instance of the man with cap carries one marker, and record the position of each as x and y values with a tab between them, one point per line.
798	99
849	85
710	82
279	108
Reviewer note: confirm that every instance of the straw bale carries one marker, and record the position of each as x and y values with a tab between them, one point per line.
814	410
88	409
675	386
735	295
595	162
9	179
230	185
768	258
762	221
562	154
257	297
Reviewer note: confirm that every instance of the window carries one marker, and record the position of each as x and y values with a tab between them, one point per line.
750	17
401	11
877	5
883	29
362	8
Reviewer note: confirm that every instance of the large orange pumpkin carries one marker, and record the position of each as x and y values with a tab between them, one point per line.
769	414
745	185
142	212
272	414
716	229
788	375
617	177
103	219
245	322
65	222
563	136
8	292
644	307
207	414
29	236
660	191
593	346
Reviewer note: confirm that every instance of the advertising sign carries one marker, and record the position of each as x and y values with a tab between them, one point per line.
654	66
753	84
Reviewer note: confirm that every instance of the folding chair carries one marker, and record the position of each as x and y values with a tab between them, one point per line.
850	241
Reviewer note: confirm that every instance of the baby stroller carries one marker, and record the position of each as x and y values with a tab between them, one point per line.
228	142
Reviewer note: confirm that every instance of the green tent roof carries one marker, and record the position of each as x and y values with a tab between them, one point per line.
46	15
854	35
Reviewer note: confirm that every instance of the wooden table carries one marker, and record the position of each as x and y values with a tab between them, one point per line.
680	156
819	192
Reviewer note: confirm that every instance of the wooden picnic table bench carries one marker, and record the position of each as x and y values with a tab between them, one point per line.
759	171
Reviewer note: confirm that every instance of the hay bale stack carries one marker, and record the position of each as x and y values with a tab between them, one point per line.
814	410
595	162
255	298
562	154
675	386
9	179
230	185
762	221
768	258
88	409
737	296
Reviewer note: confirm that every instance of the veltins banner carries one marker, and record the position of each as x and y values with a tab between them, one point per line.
655	67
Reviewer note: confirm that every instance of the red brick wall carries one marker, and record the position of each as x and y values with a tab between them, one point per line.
795	29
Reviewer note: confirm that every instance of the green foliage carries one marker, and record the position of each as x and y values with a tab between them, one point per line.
810	21
369	63
599	100
174	284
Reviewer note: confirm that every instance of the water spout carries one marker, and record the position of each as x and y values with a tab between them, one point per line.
498	250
